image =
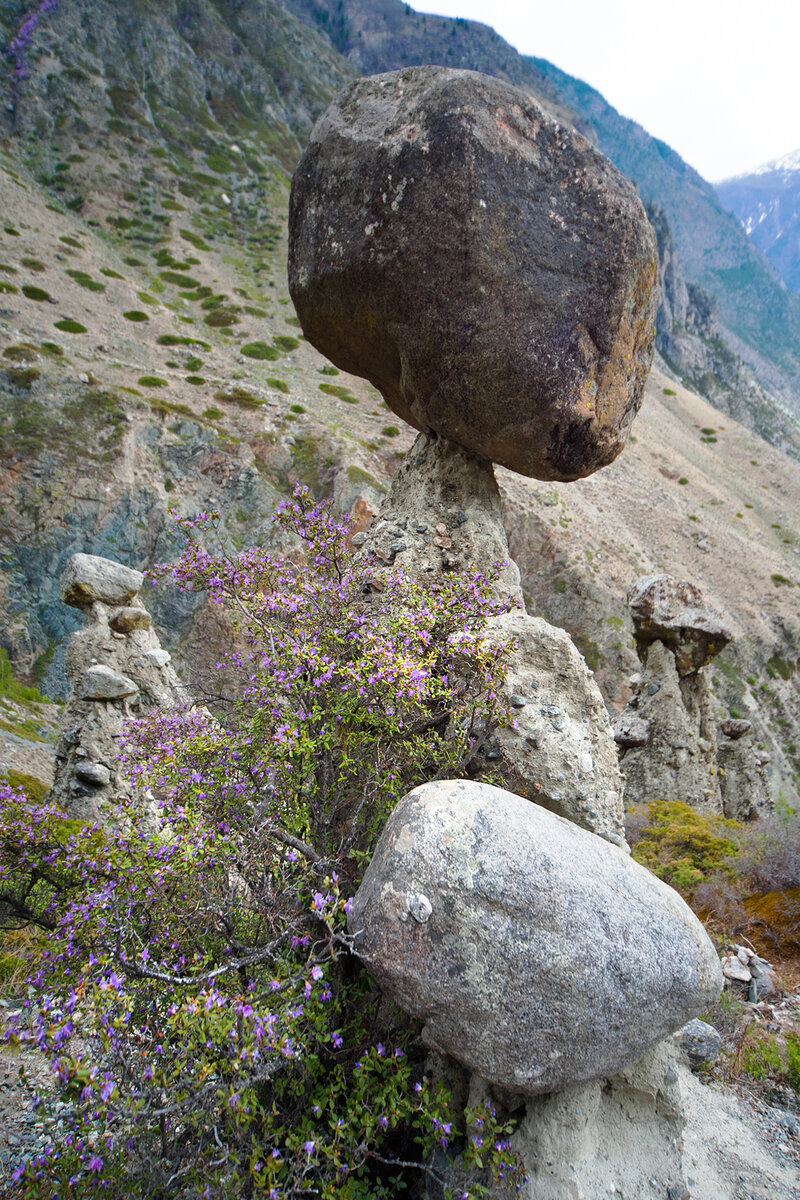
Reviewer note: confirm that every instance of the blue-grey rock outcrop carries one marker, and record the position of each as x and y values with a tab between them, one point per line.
537	954
483	266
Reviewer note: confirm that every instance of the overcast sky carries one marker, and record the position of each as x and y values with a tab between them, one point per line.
718	80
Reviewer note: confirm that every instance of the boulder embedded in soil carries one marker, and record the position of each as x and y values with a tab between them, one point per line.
537	954
485	267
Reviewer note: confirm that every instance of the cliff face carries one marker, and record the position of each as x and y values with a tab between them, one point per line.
690	341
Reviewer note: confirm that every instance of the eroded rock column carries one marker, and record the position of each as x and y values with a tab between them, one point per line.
117	669
673	746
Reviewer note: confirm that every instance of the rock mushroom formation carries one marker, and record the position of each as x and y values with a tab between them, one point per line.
117	668
485	267
671	745
743	788
674	612
494	277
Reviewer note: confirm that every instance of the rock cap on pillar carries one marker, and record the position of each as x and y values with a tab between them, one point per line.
674	612
486	268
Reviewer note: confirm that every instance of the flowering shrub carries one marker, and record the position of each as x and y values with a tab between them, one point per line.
19	45
210	1029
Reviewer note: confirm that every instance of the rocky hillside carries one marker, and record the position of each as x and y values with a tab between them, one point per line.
151	359
767	202
693	348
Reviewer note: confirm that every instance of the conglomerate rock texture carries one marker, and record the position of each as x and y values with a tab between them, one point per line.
443	513
485	267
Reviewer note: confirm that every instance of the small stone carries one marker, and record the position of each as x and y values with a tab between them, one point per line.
398	547
630	730
733	969
95	774
700	1042
420	908
103	683
158	658
358	539
653	688
517	700
125	620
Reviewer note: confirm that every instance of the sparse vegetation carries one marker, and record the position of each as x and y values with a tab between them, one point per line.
35	293
85	280
260	350
342	393
135	315
70	326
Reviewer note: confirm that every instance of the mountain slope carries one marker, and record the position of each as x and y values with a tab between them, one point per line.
761	318
384	35
767	202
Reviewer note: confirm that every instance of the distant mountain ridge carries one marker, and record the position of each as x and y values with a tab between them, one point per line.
767	202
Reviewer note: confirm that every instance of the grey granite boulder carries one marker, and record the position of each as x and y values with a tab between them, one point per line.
485	267
88	577
537	954
103	683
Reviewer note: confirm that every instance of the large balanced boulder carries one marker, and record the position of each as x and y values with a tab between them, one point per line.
538	954
483	266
